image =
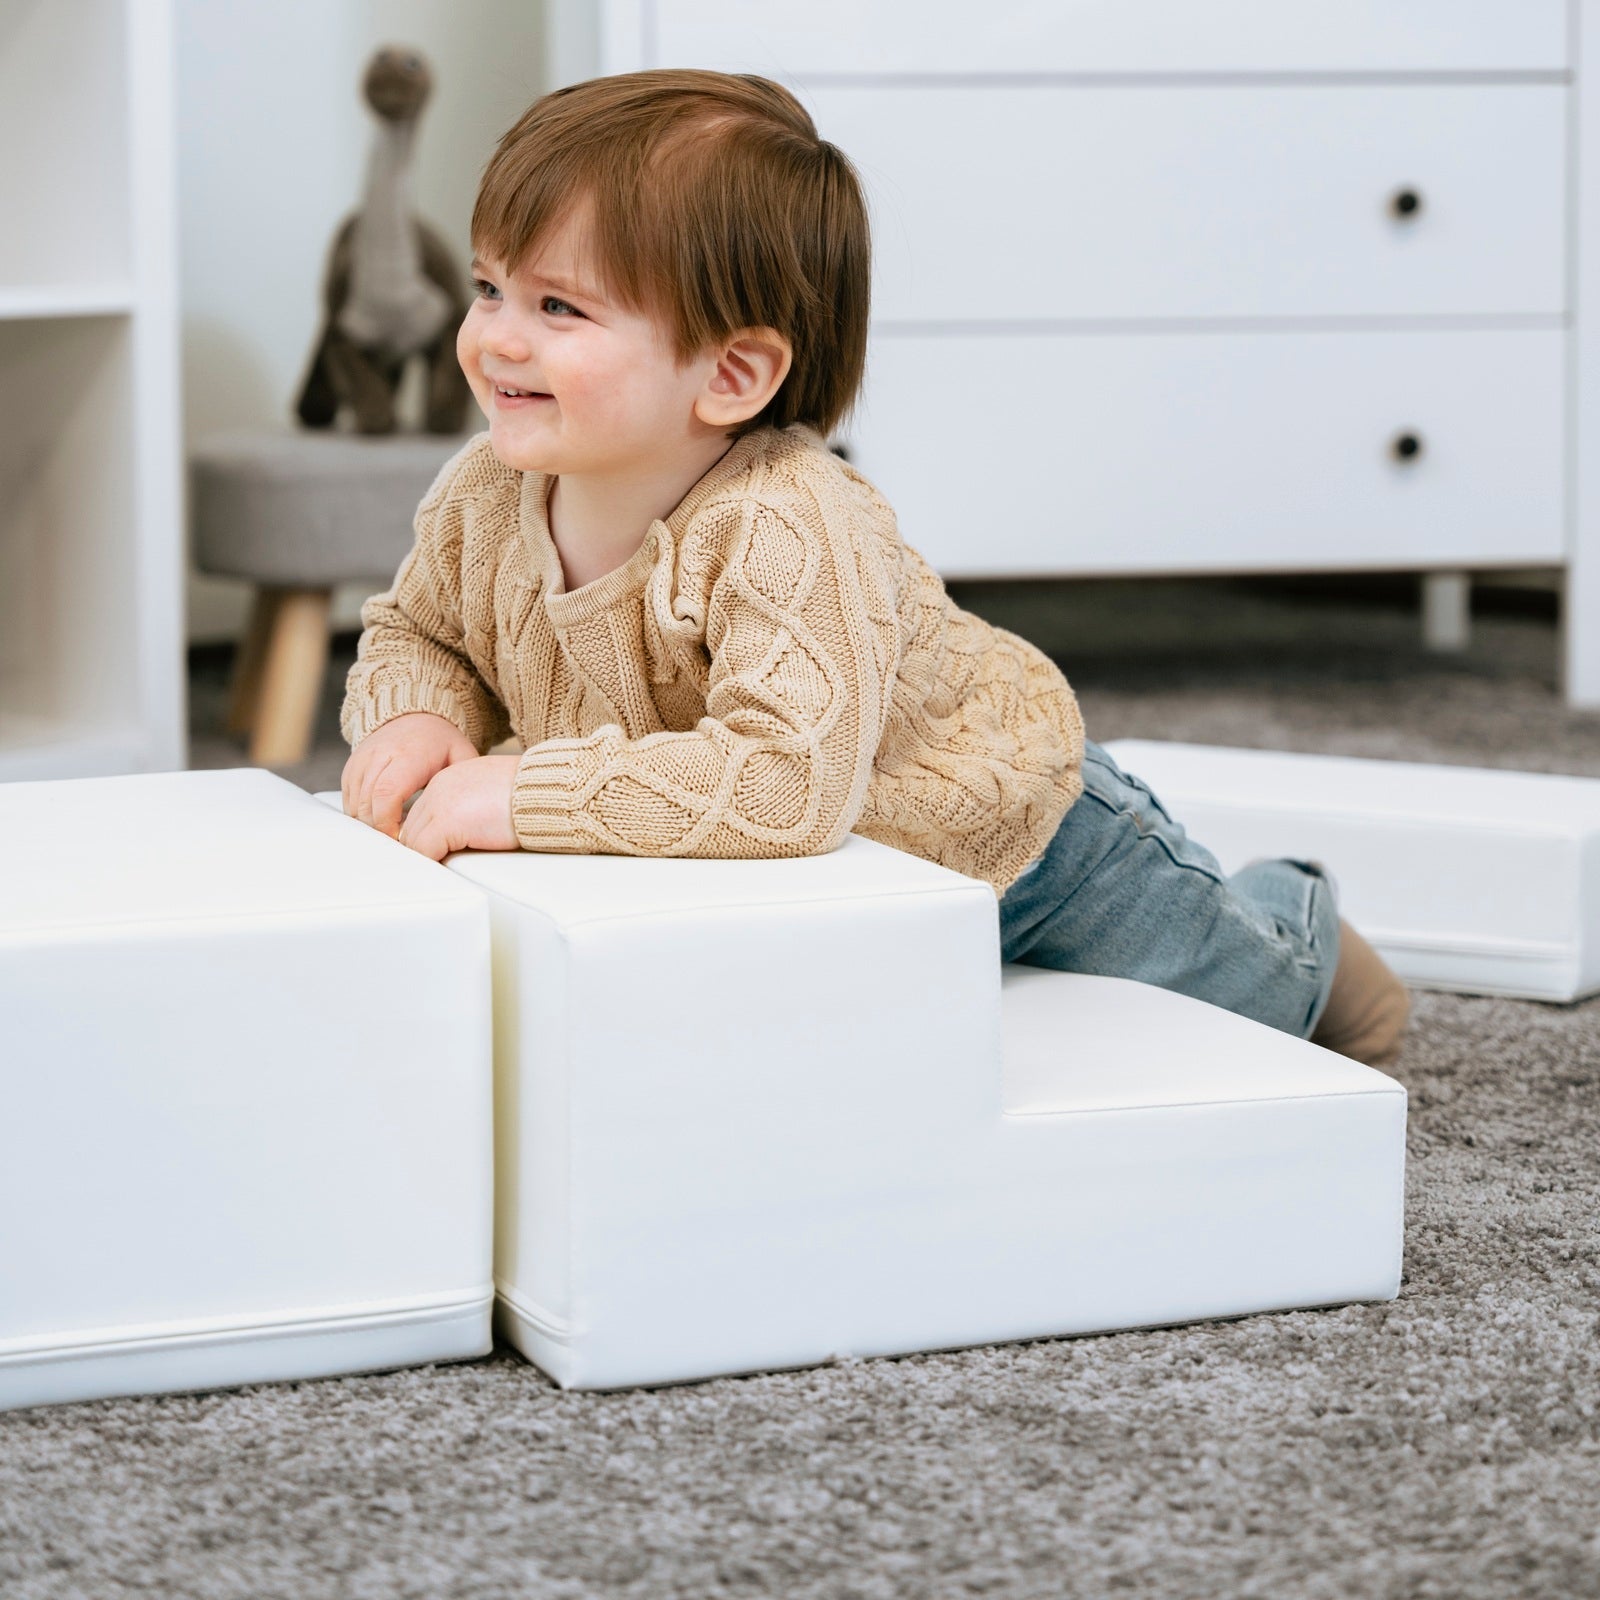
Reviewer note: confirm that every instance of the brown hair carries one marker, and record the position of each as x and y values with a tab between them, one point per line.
712	207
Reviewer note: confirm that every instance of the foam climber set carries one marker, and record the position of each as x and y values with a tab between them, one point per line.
244	1059
756	1114
286	1099
1463	878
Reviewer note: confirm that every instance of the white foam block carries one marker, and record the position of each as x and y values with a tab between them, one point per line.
245	1060
1464	878
758	1114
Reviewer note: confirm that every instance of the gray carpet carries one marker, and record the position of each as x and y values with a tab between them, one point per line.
1444	1444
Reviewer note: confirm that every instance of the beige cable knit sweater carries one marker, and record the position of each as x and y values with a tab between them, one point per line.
773	669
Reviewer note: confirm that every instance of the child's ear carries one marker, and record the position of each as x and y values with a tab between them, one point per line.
747	373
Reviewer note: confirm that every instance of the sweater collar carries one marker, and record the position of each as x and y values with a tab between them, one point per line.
545	560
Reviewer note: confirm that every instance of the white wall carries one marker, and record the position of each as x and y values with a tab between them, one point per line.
272	148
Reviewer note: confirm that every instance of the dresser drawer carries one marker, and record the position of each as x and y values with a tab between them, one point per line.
1214	452
1207	201
1105	36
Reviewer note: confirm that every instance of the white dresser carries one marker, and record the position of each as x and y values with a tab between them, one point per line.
1240	287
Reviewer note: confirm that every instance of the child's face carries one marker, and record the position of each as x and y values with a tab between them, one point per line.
608	397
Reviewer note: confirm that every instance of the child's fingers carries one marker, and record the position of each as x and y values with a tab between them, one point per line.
391	764
369	793
400	777
350	781
361	788
366	761
383	799
357	780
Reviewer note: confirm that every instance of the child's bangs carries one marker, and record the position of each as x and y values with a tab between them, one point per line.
519	211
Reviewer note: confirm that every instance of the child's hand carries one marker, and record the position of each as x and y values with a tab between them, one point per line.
396	760
467	806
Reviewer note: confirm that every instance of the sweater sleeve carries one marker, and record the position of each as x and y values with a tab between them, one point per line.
799	629
411	655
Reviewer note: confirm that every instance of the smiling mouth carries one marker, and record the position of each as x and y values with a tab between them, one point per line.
520	394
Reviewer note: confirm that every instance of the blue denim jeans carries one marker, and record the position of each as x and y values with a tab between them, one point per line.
1123	891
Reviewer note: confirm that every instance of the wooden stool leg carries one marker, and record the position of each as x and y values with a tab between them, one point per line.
246	691
292	671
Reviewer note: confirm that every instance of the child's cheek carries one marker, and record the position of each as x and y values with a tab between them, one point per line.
467	352
586	378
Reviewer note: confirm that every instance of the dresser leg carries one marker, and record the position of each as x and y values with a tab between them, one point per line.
1446	610
1580	637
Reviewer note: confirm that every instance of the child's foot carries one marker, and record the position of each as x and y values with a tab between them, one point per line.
1367	1007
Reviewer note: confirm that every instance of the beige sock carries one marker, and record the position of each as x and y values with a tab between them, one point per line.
1367	1007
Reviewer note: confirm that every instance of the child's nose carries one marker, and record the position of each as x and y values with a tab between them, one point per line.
504	338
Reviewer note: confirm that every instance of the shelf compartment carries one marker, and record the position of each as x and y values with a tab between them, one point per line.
65	179
69	534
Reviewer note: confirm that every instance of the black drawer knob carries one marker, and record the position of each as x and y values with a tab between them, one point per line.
1405	202
1406	446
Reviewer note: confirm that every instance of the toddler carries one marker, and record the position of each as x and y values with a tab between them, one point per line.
703	625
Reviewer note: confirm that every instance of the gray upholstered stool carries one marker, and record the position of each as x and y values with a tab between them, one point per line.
297	512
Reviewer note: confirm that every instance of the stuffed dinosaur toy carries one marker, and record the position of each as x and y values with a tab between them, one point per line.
392	293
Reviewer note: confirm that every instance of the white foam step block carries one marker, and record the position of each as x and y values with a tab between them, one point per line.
1464	878
245	1061
760	1114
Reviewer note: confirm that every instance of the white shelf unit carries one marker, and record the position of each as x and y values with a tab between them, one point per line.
91	550
1241	287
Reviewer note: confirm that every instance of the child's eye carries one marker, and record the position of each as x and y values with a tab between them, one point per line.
550	300
484	289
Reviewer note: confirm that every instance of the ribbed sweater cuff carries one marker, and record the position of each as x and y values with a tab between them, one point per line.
544	808
396	699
